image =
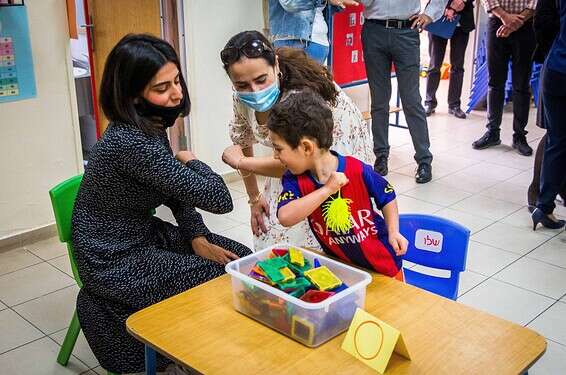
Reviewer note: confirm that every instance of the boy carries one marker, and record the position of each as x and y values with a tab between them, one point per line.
301	132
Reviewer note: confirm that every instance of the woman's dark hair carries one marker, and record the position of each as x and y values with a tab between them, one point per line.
130	66
298	71
302	114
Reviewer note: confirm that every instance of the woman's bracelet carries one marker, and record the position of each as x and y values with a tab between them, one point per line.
254	200
238	168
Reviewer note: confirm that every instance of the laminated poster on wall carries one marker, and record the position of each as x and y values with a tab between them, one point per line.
17	80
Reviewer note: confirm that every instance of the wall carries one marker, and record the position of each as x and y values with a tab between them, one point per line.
208	26
39	138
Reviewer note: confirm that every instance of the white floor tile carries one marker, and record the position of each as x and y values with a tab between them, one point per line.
81	350
400	182
15	331
536	276
32	282
488	260
241	212
218	223
514	160
437	194
507	237
492	171
523	179
48	249
52	312
16	259
473	222
552	362
466	182
468	281
553	252
508	192
487	207
552	323
411	205
2	306
242	233
506	301
63	264
38	358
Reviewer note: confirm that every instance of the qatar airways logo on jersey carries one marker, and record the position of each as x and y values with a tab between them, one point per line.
361	221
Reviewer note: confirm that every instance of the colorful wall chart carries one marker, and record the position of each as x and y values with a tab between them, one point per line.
17	79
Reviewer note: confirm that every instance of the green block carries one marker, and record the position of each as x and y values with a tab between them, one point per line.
299	271
299	282
297	293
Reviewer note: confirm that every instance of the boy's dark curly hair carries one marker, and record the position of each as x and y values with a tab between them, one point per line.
302	114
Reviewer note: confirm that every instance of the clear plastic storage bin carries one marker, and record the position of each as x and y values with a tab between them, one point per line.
309	323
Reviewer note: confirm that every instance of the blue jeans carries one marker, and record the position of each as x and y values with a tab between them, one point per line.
315	51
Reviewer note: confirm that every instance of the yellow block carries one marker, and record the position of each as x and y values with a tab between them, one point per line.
296	257
323	278
372	341
287	274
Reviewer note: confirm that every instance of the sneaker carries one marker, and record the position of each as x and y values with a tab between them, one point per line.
380	165
520	144
487	140
457	112
429	109
424	173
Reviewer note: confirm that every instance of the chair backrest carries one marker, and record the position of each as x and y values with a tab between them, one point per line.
435	242
63	200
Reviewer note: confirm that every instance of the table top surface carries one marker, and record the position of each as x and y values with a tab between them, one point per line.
201	329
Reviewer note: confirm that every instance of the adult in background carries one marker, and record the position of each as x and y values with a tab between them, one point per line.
458	45
390	35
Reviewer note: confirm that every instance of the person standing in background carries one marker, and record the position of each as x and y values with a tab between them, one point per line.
510	35
390	35
458	45
300	24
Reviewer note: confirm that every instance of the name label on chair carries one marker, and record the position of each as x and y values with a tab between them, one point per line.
428	240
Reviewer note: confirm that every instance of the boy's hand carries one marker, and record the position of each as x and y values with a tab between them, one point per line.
399	243
232	156
185	156
336	181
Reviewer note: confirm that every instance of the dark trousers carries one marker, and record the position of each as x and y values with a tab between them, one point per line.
437	50
518	47
382	47
553	174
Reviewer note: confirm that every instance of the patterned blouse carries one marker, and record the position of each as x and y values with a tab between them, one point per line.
351	136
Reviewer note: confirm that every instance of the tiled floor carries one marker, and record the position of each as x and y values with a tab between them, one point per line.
513	272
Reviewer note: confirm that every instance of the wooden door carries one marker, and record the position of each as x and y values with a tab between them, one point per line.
112	19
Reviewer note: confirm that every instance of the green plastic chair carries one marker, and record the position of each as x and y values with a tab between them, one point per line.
63	200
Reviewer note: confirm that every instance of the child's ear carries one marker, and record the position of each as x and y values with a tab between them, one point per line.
308	146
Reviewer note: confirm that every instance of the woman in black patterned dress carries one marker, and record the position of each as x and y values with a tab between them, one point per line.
127	258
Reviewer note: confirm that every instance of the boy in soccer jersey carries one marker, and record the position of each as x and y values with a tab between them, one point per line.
301	132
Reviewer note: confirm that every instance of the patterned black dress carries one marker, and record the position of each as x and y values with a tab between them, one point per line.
129	259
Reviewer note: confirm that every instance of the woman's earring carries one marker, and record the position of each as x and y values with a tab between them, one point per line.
280	75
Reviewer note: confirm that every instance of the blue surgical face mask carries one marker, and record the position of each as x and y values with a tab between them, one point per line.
263	100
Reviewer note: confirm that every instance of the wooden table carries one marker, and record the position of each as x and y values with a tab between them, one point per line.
200	329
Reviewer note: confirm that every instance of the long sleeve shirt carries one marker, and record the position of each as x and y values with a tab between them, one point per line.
510	6
401	9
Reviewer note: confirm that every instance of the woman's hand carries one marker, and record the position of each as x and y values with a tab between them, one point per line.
259	212
335	182
185	156
205	249
343	3
398	242
232	156
420	21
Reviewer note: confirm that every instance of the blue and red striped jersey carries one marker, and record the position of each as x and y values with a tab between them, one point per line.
366	244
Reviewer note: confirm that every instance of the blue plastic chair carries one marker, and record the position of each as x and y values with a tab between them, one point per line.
438	243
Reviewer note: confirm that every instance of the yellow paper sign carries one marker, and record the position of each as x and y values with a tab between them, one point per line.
372	341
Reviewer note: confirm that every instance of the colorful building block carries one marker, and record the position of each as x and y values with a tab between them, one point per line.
288	275
296	257
315	296
323	278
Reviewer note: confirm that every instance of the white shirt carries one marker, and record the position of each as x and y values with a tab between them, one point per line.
401	9
319	28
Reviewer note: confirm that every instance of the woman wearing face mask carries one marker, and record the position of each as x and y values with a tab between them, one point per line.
261	76
128	259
